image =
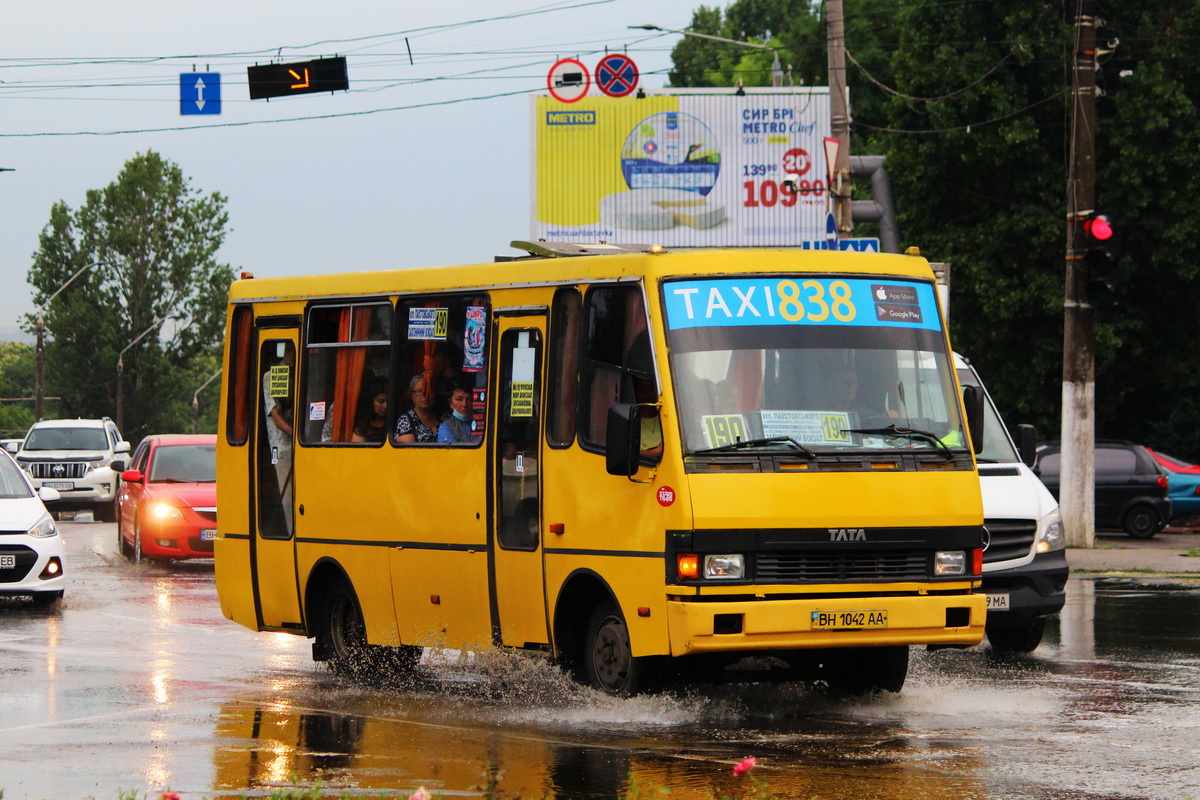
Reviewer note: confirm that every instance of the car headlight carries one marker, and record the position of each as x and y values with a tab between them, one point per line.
1050	535
165	511
44	528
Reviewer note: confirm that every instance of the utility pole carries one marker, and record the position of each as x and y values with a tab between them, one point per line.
1077	493
839	115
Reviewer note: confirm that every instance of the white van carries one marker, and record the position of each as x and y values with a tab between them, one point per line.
1024	564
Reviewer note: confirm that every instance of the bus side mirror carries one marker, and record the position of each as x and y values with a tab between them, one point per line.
973	402
1027	443
621	440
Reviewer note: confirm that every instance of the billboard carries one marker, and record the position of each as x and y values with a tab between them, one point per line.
692	168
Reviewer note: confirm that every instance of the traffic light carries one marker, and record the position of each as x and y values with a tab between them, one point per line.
1101	246
300	77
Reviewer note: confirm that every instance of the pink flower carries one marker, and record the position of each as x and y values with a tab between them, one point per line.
421	794
169	796
745	765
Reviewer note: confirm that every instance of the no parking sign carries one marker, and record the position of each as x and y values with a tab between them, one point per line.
616	75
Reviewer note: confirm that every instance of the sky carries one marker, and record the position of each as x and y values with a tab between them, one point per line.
423	161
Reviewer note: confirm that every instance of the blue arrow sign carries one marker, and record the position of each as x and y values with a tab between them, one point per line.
199	93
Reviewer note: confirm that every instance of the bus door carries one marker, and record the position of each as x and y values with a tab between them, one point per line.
518	597
273	555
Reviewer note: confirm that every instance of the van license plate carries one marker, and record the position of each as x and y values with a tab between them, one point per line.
64	486
849	620
208	534
8	562
997	602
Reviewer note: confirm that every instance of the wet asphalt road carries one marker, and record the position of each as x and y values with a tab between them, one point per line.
138	683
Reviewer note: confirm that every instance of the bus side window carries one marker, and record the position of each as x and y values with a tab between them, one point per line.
347	352
442	341
617	350
566	326
242	387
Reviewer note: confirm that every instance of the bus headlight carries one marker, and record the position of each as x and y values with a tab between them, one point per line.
729	567
950	562
1050	533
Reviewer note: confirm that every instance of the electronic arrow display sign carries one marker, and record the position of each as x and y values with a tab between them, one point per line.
301	77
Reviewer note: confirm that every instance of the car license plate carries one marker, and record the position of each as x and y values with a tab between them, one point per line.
997	602
849	620
208	534
8	562
61	485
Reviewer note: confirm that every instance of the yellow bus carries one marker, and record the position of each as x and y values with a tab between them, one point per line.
641	463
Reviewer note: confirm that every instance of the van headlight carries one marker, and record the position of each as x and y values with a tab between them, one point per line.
1050	536
730	567
44	528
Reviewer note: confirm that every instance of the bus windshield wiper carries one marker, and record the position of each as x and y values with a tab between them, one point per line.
753	443
905	433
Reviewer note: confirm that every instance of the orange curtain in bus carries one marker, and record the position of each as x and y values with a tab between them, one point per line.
349	372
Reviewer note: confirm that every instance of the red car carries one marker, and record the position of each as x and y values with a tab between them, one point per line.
168	502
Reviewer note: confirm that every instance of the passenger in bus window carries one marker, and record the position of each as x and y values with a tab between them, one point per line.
371	425
456	426
419	423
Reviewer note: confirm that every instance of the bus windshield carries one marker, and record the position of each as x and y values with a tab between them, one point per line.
828	363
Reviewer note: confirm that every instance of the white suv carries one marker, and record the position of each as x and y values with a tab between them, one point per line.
74	456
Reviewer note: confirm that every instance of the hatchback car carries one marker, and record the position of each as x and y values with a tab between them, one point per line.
31	549
168	502
1184	488
1130	487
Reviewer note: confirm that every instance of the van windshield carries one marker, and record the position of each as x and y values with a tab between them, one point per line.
829	362
997	446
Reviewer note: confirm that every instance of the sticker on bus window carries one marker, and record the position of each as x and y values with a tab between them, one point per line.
280	380
316	411
473	339
428	324
723	429
521	399
801	300
808	427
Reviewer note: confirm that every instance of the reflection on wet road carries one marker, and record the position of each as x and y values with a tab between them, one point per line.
138	682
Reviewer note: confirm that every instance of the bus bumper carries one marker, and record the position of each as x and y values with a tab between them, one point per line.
763	625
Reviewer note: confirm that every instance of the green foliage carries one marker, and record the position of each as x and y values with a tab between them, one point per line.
17	365
971	105
159	279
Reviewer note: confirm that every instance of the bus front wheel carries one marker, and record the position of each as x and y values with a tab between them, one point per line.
343	632
608	662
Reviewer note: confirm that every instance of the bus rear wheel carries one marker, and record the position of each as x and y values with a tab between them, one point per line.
608	663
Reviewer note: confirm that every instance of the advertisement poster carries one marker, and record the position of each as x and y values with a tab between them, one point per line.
686	169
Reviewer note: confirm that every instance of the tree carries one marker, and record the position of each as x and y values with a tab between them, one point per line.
971	104
16	385
157	238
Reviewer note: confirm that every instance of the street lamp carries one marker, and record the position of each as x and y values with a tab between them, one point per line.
196	402
776	69
121	366
38	392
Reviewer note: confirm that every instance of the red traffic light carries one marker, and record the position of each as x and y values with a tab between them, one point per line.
1099	227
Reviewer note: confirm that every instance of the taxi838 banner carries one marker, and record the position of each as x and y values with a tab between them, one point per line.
686	169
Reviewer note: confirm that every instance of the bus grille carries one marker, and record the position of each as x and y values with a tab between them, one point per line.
57	469
1011	538
858	565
